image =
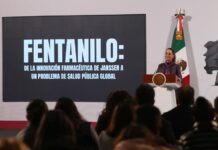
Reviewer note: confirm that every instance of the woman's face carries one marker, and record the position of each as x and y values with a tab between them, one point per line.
169	56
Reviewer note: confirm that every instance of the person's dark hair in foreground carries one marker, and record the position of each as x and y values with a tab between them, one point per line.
205	132
185	95
56	132
113	99
122	117
150	117
35	111
138	137
85	134
145	95
67	105
134	130
181	116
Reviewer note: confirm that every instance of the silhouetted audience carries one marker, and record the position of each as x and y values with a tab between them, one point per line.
113	99
150	117
145	95
181	116
85	134
124	124
35	111
205	133
56	132
122	117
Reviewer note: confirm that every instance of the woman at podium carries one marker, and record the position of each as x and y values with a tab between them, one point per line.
169	66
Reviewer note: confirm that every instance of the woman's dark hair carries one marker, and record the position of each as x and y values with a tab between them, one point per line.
35	110
67	105
173	51
83	129
55	124
122	116
149	116
203	110
134	131
145	94
185	95
113	99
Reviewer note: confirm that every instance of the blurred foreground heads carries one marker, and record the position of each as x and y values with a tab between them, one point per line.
12	144
56	132
86	137
205	132
113	99
138	137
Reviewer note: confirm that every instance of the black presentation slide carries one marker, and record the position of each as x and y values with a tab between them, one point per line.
82	57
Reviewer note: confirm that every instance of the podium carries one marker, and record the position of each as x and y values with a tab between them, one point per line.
170	81
164	87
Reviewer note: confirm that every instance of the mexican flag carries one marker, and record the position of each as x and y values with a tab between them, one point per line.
178	44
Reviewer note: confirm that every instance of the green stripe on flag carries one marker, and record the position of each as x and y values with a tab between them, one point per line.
178	44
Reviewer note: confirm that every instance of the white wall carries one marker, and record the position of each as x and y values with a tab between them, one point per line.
203	27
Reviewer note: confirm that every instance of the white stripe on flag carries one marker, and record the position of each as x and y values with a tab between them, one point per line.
182	54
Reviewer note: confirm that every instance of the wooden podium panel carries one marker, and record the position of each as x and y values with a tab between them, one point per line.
171	81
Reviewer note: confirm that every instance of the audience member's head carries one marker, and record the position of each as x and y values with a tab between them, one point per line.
135	131
35	110
185	95
145	94
114	98
203	110
150	117
82	128
12	144
138	137
54	125
122	117
67	105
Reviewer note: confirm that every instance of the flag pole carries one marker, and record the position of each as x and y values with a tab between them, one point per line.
178	44
180	12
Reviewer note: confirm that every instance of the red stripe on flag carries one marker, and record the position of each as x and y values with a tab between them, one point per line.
180	23
186	80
